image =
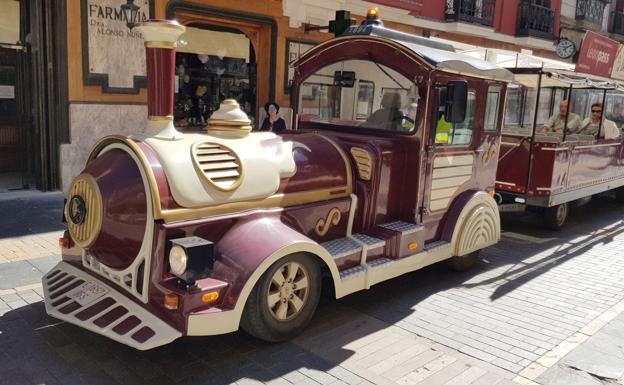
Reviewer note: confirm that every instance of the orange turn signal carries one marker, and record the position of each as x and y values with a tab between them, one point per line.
412	245
210	297
171	301
372	12
491	193
65	242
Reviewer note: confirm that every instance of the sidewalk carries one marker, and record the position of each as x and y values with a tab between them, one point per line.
29	230
541	308
597	361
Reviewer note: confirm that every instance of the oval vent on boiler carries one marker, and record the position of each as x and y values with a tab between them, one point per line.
219	165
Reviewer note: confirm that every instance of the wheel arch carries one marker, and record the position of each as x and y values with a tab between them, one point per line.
292	242
473	223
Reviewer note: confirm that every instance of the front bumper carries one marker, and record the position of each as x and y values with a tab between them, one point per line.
108	312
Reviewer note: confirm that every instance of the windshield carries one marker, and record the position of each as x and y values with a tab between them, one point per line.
359	93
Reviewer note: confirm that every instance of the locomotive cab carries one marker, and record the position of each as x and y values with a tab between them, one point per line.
390	168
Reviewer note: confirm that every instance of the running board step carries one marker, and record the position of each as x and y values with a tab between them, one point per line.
401	238
354	250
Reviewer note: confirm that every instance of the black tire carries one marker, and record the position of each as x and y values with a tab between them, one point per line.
619	194
270	323
464	262
556	217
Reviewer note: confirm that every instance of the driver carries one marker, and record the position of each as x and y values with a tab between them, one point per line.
556	122
389	116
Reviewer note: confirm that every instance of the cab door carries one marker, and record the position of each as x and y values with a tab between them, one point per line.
451	155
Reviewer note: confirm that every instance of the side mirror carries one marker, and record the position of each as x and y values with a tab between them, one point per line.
456	100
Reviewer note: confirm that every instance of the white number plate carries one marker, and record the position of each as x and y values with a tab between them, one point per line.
87	293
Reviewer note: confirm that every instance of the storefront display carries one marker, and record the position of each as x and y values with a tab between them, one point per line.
207	74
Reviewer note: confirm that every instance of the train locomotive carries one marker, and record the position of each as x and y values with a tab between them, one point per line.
175	234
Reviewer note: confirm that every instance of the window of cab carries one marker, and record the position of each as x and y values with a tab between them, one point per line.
359	94
491	108
447	133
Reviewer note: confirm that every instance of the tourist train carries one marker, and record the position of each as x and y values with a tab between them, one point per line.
390	166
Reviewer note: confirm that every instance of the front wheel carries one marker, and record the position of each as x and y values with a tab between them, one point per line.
283	301
556	217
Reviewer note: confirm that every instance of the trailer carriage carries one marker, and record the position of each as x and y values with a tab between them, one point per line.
549	173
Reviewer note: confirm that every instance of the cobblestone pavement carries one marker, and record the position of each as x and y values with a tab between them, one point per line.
537	304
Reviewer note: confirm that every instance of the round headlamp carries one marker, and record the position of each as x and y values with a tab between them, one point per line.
177	260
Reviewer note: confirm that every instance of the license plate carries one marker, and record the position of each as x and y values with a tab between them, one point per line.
87	293
511	207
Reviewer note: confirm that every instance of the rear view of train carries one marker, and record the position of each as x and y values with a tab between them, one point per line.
389	167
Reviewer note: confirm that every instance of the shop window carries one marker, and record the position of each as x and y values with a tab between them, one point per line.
366	94
213	65
320	100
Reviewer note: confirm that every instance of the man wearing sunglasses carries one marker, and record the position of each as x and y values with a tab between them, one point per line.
591	125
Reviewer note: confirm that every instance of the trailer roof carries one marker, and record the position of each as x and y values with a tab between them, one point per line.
565	78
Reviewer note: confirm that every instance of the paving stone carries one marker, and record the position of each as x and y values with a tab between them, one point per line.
17	304
345	375
17	274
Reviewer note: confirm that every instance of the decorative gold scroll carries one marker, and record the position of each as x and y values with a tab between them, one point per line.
323	224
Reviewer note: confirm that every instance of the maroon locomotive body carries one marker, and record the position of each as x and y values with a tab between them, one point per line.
198	233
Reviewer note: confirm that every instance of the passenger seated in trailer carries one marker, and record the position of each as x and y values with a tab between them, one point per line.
617	115
389	116
556	122
591	125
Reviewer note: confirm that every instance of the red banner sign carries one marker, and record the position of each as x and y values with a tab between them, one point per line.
597	54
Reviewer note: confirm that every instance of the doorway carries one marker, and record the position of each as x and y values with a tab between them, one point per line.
13	154
34	116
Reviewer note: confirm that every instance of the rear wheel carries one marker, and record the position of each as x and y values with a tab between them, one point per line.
619	194
464	262
556	217
284	300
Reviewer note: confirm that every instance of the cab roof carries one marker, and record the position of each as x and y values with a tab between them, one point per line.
439	55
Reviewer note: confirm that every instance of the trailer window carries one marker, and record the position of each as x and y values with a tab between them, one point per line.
491	108
359	93
457	133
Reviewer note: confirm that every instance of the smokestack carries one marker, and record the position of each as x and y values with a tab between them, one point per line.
160	43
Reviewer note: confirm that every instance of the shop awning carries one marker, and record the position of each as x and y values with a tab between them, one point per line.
214	43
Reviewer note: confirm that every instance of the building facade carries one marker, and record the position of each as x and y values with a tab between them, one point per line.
88	77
